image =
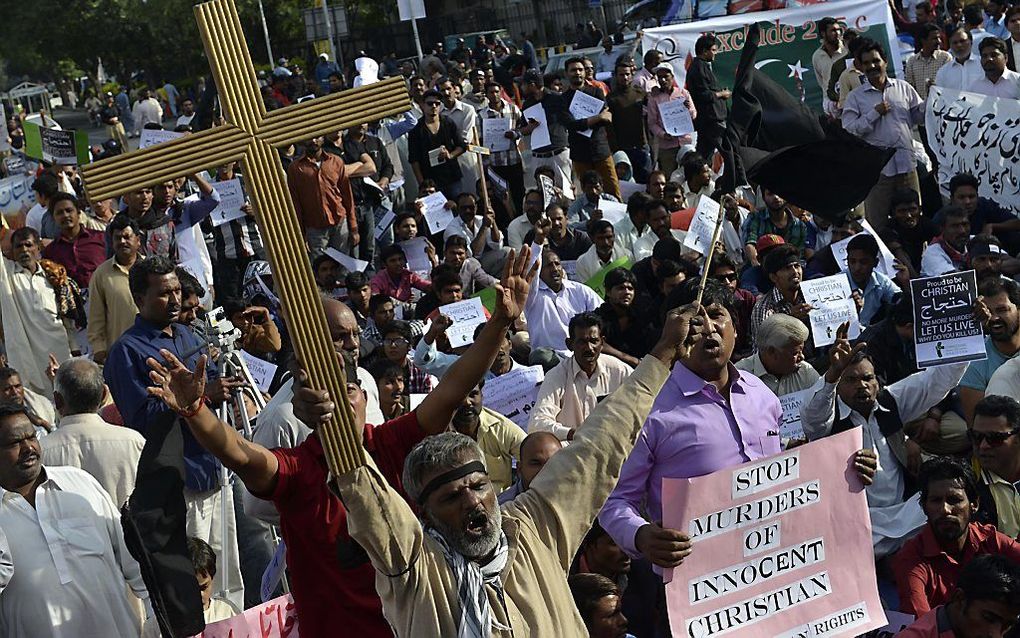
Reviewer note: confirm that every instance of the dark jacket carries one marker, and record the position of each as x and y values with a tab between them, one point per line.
702	85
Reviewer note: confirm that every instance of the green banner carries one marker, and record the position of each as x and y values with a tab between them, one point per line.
56	146
598	280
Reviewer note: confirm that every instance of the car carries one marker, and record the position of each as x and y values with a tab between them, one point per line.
558	61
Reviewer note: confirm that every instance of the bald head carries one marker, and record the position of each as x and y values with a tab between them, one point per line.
536	450
78	387
343	326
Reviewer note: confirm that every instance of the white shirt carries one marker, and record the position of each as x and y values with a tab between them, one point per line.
954	75
893	519
185	120
109	453
34	217
568	395
1016	48
69	560
935	261
32	329
147	112
465	117
1008	85
516	230
644	246
549	312
589	263
459	227
627	235
607	61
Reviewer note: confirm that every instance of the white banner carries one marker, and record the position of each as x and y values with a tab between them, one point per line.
976	134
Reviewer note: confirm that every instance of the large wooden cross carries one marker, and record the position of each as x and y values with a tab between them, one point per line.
253	136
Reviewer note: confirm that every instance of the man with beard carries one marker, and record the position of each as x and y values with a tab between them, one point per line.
474	568
588	139
604	250
33	327
332	580
907	233
321	189
40	410
825	55
64	565
498	437
986	216
850	395
928	565
536	450
571	390
948	251
1002	298
883	112
986	256
785	271
996	456
998	81
112	309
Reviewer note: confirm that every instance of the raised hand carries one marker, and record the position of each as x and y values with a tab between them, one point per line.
683	327
512	289
981	312
180	388
841	353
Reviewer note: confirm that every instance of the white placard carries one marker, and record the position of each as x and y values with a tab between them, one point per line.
831	305
702	230
629	188
434	159
885	256
384	223
466	315
583	106
548	190
514	394
348	262
417	256
540	136
791	428
374	184
676	119
494	131
945	330
436	214
151	137
5	134
612	212
261	371
498	181
274	571
231	201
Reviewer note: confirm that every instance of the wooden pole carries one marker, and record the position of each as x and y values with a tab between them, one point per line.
711	249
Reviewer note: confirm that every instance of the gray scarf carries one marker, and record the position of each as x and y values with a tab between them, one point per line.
475	615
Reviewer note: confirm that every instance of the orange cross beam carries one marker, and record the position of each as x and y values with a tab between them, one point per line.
253	137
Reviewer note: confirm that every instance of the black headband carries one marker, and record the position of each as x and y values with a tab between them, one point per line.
452	475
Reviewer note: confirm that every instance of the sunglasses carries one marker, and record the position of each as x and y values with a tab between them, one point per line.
396	343
432	104
994	439
727	277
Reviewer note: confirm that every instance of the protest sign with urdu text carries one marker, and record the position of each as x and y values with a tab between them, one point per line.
782	547
514	394
582	106
274	619
467	315
791	427
151	137
975	134
945	330
231	200
702	229
436	214
55	145
831	306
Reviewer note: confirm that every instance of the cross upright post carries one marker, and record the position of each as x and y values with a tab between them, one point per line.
253	136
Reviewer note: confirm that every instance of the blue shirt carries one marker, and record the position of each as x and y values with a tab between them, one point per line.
878	291
127	375
980	372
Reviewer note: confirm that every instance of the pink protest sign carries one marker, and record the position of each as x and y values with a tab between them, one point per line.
274	619
782	547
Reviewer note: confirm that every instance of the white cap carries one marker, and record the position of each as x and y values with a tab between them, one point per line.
324	56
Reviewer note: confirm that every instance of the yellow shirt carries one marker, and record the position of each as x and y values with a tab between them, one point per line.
112	309
500	440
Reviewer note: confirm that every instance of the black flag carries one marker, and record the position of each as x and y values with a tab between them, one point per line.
774	140
155	530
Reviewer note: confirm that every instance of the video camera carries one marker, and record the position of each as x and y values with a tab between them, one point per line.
215	329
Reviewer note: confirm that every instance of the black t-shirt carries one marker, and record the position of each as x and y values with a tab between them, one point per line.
554	108
635	339
421	140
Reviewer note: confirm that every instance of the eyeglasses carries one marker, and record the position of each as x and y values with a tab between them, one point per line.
396	343
995	439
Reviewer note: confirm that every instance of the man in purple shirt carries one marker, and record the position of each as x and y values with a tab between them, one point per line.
883	111
708	416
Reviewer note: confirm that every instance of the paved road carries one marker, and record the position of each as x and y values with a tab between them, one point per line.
78	119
